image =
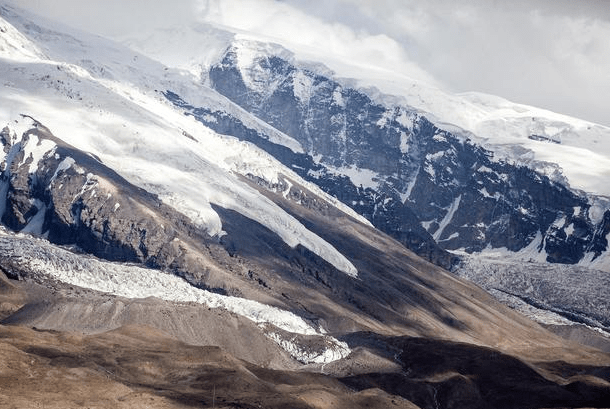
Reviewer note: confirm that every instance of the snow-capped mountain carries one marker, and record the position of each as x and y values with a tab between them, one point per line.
96	156
467	173
503	126
279	122
244	199
411	178
372	131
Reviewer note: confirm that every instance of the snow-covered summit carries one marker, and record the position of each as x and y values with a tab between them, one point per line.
520	133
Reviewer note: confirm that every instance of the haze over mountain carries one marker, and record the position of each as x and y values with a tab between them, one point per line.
196	216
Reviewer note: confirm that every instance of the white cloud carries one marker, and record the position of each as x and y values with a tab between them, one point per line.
293	26
112	17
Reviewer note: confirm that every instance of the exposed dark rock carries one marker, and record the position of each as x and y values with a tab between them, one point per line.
396	219
439	374
434	189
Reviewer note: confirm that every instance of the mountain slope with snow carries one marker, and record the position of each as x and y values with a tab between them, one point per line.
387	162
148	125
418	182
569	152
96	156
137	191
496	176
505	127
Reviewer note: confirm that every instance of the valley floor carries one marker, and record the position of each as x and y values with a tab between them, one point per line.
138	366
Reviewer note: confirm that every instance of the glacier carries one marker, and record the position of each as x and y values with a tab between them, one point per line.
40	261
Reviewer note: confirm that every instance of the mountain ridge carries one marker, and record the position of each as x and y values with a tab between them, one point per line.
143	208
404	140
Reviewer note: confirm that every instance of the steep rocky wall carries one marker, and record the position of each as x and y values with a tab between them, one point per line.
426	187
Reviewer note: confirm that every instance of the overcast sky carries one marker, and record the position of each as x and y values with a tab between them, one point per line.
549	53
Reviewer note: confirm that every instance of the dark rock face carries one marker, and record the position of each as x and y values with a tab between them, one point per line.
72	198
384	209
431	189
440	374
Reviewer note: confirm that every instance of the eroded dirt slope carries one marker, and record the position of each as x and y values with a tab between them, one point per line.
138	367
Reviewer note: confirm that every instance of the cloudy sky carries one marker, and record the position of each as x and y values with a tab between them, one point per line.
549	53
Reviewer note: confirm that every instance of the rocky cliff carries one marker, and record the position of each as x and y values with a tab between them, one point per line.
427	187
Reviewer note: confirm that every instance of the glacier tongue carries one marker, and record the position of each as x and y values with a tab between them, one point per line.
42	262
542	290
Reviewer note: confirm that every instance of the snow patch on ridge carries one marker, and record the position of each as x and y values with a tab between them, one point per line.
358	176
302	85
64	165
36	149
447	219
404	143
35	224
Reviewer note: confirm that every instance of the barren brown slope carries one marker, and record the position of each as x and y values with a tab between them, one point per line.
12	297
69	308
456	375
139	367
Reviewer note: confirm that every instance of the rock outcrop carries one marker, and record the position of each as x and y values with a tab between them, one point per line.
429	188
